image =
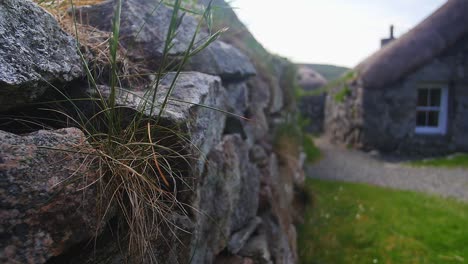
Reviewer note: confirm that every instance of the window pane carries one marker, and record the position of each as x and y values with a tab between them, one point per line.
433	119
421	118
423	95
435	97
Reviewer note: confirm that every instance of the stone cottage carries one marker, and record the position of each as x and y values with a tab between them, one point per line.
411	96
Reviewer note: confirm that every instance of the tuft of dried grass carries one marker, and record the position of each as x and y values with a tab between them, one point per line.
94	44
140	162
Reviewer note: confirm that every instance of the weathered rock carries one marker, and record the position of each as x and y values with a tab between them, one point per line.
227	197
276	207
277	98
279	90
224	60
204	125
222	259
257	127
259	92
143	30
237	104
257	248
281	239
238	98
259	156
34	52
239	238
42	176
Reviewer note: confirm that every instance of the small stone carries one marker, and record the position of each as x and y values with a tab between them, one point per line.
239	238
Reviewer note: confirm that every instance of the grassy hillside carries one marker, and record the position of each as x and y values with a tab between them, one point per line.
330	72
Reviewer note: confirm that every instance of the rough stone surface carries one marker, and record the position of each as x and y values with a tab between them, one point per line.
224	60
257	248
143	32
34	52
42	206
143	29
277	98
279	177
238	98
239	238
221	259
227	197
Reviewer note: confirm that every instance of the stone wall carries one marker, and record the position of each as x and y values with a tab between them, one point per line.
238	207
312	102
385	119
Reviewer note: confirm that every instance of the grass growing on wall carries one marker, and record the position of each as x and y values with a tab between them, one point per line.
134	155
341	96
459	160
291	139
311	150
357	223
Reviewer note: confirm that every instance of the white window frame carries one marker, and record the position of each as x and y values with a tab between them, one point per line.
442	109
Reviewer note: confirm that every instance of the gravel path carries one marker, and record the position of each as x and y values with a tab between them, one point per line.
355	166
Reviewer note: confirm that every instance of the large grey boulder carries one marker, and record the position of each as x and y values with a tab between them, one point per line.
34	52
144	26
42	186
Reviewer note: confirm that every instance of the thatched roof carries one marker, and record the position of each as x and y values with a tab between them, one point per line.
419	46
308	79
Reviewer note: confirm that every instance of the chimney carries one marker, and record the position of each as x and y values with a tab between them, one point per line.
385	41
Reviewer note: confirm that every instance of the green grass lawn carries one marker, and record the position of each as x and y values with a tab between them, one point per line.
459	160
357	223
312	152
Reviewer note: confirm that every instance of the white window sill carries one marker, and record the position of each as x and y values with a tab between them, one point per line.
430	131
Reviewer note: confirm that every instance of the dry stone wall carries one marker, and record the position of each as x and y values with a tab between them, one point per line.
240	192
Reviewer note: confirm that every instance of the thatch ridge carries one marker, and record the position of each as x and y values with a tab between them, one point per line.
419	46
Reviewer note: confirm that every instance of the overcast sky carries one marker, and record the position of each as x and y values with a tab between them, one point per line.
341	32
